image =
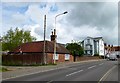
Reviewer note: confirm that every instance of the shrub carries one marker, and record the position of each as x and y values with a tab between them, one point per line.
96	54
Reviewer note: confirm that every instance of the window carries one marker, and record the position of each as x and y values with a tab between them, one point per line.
88	41
67	56
56	56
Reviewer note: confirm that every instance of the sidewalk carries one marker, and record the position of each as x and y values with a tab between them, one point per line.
22	71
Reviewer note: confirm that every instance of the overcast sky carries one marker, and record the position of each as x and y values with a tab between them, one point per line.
94	19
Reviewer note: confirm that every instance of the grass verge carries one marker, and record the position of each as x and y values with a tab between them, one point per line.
3	69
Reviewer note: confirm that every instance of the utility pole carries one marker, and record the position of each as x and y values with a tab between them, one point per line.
44	52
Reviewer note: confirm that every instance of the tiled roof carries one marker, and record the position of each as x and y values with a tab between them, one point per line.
117	48
37	46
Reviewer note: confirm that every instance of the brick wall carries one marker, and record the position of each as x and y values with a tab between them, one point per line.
49	57
86	58
71	58
60	59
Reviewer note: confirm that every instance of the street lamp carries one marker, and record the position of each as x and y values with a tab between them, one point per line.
55	34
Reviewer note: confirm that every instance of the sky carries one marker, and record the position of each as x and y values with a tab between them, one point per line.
94	19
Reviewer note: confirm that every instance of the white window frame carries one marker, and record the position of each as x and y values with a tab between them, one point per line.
67	56
56	56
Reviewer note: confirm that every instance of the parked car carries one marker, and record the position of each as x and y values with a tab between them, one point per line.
118	56
113	57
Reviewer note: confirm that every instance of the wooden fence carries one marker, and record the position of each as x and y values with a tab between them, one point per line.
35	59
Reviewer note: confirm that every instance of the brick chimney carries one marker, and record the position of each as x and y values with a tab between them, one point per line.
53	35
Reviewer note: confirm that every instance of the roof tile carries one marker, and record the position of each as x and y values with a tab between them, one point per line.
37	46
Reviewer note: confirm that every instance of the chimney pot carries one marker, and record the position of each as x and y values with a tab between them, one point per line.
53	36
52	32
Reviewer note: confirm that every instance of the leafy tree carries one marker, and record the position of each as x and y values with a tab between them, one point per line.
75	49
14	38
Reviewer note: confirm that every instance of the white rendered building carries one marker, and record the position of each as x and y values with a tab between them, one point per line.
93	46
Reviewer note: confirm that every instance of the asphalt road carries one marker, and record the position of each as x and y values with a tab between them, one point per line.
92	71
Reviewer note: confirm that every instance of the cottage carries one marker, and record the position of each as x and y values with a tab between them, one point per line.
36	48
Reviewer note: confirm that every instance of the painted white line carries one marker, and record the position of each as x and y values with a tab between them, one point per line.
106	74
74	73
91	67
101	64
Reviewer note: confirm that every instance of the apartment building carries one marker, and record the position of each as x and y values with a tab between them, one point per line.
93	46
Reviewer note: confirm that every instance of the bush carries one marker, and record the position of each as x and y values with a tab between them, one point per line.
96	54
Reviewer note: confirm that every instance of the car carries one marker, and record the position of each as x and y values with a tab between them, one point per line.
118	56
113	57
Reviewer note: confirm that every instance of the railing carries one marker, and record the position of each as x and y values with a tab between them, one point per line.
88	47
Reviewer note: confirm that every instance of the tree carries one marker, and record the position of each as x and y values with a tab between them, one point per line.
14	38
75	49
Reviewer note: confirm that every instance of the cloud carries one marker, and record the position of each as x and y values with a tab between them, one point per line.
101	19
83	19
76	33
32	29
34	13
48	9
33	17
92	13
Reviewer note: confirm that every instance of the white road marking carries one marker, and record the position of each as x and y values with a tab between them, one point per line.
101	64
106	74
91	67
74	73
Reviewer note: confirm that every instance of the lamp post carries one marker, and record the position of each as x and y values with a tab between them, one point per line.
55	34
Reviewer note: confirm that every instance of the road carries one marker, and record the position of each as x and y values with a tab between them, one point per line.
93	71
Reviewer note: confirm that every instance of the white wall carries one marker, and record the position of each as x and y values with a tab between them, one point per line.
92	41
101	47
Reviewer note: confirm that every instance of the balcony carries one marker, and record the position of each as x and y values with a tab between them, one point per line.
88	43
88	47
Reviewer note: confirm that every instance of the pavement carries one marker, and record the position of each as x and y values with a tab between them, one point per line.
29	70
